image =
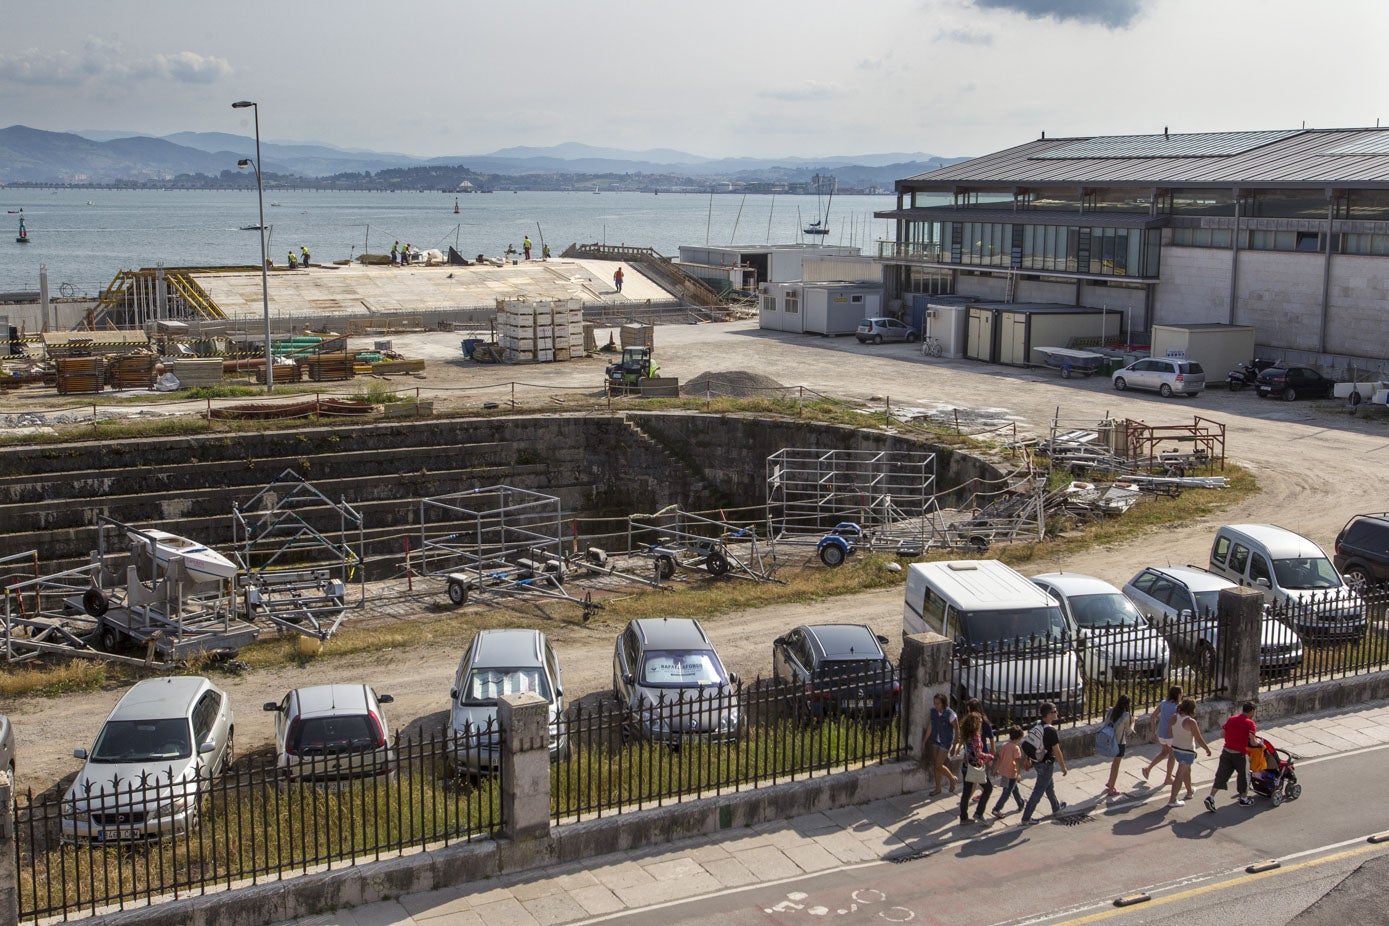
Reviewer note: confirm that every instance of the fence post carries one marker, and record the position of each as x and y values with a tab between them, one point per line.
926	664
525	727
1240	622
9	872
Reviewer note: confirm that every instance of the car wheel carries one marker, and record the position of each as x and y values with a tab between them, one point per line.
1289	394
832	554
229	756
1356	578
110	638
1165	391
1065	372
1205	658
1120	384
877	339
912	337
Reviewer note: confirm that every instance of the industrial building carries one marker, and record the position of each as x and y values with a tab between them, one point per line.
1286	232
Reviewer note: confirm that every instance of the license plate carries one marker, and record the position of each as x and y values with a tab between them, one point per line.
117	834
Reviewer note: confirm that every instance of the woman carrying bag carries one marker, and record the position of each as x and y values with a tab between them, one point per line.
974	766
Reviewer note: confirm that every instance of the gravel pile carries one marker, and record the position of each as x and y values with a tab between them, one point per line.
736	384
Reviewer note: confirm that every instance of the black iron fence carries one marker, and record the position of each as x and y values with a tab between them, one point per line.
125	841
675	748
1343	633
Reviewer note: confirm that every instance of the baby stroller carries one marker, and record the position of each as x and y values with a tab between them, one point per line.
1273	774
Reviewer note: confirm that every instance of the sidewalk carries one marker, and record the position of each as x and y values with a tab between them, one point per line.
787	849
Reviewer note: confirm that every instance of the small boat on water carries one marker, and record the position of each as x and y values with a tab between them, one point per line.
201	562
252	227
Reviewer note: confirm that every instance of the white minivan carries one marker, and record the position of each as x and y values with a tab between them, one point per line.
1296	576
1013	650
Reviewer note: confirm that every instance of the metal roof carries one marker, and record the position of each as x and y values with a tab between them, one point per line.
1312	157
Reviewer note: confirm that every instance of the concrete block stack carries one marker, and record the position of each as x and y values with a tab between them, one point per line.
540	332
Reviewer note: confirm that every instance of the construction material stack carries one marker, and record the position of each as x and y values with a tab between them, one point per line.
540	332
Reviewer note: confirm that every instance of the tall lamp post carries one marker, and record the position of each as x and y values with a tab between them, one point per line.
264	273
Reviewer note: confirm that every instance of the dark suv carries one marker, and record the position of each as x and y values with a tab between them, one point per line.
1293	383
1362	550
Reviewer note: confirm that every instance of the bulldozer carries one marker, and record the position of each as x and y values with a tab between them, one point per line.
625	376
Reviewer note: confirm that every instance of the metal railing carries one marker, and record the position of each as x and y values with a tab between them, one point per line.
123	842
675	749
1344	632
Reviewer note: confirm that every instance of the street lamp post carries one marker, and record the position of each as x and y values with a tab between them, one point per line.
264	272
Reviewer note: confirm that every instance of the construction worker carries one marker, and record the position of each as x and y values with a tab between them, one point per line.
617	279
292	262
304	256
526	246
545	252
395	254
405	254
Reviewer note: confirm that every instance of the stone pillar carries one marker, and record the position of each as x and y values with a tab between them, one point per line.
525	725
9	874
1240	621
926	667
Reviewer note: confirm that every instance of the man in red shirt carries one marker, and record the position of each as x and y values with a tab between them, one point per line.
1239	736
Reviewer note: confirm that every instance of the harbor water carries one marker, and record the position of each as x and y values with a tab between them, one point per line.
85	237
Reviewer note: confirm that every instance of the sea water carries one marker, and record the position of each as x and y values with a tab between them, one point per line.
85	237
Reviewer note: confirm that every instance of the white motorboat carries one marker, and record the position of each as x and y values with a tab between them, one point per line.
202	563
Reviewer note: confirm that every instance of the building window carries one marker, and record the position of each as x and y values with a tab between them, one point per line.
1286	204
1199	202
1364	244
792	304
856	298
1262	240
769	303
1201	237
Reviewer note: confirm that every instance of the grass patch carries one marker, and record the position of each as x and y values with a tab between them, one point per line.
50	681
377	393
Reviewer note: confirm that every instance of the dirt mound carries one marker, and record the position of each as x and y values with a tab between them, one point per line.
736	384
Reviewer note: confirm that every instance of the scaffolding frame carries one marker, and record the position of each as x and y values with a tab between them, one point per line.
678	539
293	573
889	494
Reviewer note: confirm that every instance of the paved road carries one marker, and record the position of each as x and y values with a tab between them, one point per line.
1316	466
838	867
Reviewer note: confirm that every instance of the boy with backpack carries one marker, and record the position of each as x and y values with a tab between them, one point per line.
1042	747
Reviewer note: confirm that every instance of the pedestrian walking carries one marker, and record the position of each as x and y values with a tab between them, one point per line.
1234	758
1047	757
526	246
986	733
1119	720
1008	765
304	256
617	279
1186	736
974	766
943	731
395	254
1160	722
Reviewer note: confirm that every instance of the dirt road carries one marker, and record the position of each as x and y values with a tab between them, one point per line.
1316	466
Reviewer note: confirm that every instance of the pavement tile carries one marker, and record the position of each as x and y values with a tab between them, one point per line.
708	853
381	913
811	857
622	875
449	918
572	881
542	886
846	847
673	869
553	909
812	824
507	912
336	918
768	863
445	898
483	892
644	895
729	871
597	900
750	840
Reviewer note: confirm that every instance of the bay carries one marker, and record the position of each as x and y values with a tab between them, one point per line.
85	237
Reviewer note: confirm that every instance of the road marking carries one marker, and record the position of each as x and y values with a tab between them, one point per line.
1235	881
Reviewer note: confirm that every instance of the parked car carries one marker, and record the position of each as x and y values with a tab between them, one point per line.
1362	550
841	668
1184	600
1292	383
1297	580
497	663
156	753
1164	375
7	747
1115	639
879	330
671	683
328	733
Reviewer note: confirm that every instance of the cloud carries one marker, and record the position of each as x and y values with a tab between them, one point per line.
1112	14
965	37
810	90
103	62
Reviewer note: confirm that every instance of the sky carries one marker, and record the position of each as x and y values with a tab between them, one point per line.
717	78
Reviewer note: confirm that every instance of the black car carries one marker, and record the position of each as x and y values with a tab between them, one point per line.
1362	550
840	668
1289	383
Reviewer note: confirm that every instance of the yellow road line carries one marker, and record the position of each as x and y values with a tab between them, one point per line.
1220	885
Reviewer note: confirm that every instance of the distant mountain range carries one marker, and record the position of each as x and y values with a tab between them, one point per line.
99	157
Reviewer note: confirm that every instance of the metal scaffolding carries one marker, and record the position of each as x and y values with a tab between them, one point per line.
675	539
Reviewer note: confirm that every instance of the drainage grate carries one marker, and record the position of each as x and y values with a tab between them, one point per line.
912	856
1073	819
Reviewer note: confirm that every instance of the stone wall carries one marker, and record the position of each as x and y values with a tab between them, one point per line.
1195	287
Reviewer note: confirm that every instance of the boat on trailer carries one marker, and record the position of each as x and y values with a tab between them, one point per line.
201	562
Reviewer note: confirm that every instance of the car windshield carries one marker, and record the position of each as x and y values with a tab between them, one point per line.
143	741
485	686
1207	603
1006	624
1306	572
681	669
1109	609
326	735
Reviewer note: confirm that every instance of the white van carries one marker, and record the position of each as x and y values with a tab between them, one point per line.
1012	646
1296	577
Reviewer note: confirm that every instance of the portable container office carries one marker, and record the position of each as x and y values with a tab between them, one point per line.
818	308
1007	332
1218	348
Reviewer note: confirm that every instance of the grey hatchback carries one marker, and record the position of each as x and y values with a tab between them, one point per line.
671	683
878	330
